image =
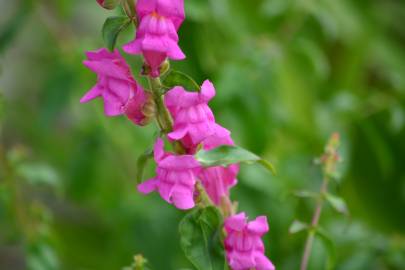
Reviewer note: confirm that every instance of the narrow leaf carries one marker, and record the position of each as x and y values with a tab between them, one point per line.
200	238
141	163
297	226
337	203
226	155
178	78
305	194
112	27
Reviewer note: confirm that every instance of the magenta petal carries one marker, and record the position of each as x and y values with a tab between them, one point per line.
178	133
207	90
93	93
236	222
133	47
179	162
158	150
263	263
174	51
148	186
183	200
259	225
173	96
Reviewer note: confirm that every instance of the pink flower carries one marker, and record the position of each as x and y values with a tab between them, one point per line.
218	180
156	37
193	119
243	244
176	177
117	87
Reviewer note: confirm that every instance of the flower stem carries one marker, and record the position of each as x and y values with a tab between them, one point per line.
163	117
314	224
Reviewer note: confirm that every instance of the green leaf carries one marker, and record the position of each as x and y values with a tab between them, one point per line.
200	238
297	226
178	78
330	246
306	194
39	173
226	155
337	203
10	29
112	27
141	163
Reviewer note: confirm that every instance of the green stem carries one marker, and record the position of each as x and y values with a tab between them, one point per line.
314	224
163	117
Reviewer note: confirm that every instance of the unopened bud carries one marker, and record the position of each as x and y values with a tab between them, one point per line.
108	4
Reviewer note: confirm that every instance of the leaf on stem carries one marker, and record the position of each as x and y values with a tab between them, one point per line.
297	226
337	203
200	238
178	78
112	27
305	194
226	155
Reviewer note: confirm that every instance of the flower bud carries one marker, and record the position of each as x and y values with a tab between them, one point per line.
108	4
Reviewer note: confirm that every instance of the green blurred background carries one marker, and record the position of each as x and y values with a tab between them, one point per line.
288	73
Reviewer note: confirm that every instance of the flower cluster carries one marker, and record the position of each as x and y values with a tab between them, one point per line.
194	127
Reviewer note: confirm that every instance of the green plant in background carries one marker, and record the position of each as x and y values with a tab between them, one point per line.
328	161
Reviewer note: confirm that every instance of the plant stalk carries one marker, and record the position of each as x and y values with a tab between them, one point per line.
314	224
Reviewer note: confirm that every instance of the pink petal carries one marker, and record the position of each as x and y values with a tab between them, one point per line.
207	90
178	133
93	93
263	263
179	162
148	186
258	226
183	199
158	150
236	222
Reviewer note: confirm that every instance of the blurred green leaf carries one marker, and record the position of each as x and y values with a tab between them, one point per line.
226	155
337	203
41	257
11	28
306	194
297	226
178	78
200	238
112	27
38	173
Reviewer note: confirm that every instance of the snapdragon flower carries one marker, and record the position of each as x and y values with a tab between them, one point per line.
156	37
120	92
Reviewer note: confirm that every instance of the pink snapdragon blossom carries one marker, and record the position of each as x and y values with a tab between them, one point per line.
120	92
193	119
243	244
156	37
176	177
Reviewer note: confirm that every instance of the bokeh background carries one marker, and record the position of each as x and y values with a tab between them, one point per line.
288	73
